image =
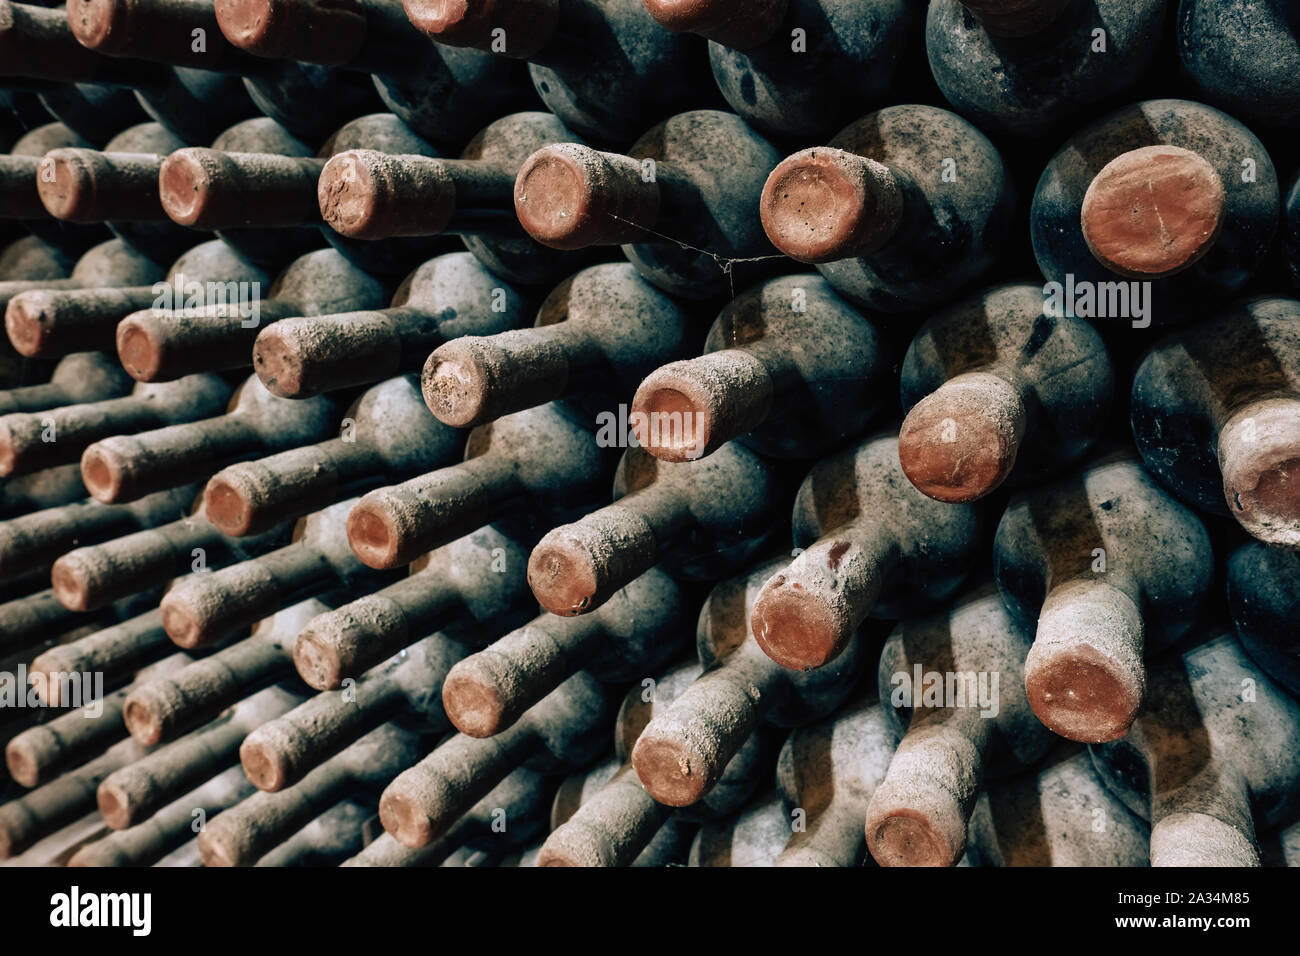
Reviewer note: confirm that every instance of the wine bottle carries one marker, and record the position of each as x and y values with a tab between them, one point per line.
597	334
956	679
637	631
1025	69
776	60
1216	418
646	73
682	752
1264	602
1104	568
681	202
789	369
538	459
997	390
1206	762
900	211
702	520
1244	58
1173	196
447	297
856	559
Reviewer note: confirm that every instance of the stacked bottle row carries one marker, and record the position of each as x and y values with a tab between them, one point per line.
257	523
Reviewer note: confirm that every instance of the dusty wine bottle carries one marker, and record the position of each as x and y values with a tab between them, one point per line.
1211	757
828	772
476	579
955	680
89	577
902	209
539	459
131	794
388	435
1216	417
645	72
78	378
682	752
998	390
619	823
195	104
789	369
1060	814
681	202
856	559
566	730
1174	196
447	297
1264	602
1243	58
1026	68
597	334
637	631
201	609
700	520
1103	567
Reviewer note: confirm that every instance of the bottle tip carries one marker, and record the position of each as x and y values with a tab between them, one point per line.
670	769
139	349
473	703
1082	693
956	451
70	580
1259	456
104	473
249	24
455	383
66	185
263	764
228	503
182	621
373	534
142	722
1153	211
21	760
816	205
185	184
554	197
95	23
316	660
404	819
351	195
27	321
794	627
907	837
562	576
673	418
114	805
